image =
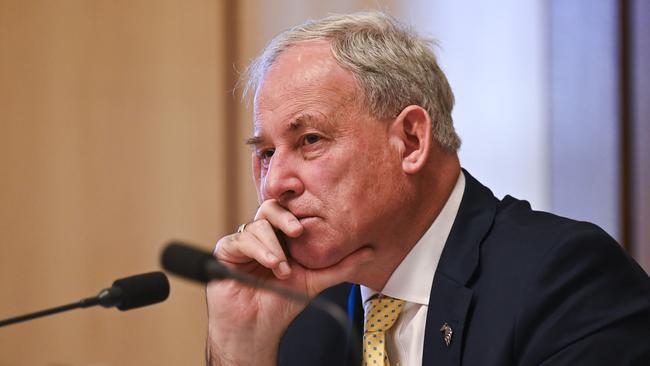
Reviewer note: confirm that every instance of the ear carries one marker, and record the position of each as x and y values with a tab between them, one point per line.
411	132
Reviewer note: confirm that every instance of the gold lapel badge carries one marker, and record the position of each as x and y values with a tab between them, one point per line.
447	333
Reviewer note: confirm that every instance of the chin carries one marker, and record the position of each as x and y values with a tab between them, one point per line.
313	255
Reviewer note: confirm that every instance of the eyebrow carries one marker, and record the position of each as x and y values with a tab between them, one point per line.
254	140
303	120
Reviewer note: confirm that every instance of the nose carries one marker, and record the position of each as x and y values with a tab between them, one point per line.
281	180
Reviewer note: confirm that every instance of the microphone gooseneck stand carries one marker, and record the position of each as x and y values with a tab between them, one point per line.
186	261
125	294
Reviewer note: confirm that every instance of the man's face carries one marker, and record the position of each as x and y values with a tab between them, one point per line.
319	153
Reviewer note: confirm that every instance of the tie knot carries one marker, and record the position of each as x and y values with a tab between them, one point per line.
381	312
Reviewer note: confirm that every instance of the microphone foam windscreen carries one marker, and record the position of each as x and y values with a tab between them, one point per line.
142	290
186	261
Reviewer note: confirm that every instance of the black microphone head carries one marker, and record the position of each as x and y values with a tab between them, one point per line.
142	290
191	263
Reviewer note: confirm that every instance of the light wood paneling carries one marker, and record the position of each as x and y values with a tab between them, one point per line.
111	144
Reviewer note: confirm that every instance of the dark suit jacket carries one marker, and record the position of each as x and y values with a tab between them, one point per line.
517	287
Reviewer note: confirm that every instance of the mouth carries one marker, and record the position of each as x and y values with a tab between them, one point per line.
305	219
302	215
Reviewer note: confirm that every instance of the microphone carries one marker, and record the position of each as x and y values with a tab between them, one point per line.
136	291
192	263
195	264
125	294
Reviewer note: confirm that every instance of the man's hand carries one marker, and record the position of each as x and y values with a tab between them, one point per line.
245	324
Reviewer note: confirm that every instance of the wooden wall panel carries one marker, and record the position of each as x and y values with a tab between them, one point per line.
111	144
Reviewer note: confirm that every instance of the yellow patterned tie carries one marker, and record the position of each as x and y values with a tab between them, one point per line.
381	313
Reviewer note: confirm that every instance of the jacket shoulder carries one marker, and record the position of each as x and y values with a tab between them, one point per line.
570	288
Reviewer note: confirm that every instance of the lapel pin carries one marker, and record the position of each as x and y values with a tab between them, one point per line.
447	333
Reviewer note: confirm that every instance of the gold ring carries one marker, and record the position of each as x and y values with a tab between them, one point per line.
241	228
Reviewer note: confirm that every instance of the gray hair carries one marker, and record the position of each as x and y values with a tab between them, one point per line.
392	64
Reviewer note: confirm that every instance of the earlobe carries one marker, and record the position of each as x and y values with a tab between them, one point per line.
413	125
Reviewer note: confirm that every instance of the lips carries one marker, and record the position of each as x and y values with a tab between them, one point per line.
302	213
304	217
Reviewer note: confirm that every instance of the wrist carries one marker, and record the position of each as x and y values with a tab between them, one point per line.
246	350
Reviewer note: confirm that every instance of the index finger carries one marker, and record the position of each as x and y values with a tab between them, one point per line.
280	218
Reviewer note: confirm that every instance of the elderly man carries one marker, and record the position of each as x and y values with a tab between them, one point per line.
358	179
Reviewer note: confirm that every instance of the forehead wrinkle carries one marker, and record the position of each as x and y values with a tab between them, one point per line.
306	109
325	94
308	119
307	89
304	120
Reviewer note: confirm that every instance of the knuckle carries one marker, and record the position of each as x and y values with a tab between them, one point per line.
260	224
220	243
266	225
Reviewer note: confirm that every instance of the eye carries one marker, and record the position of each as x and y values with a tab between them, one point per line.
266	154
311	139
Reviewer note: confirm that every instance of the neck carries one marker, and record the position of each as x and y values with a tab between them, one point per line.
431	191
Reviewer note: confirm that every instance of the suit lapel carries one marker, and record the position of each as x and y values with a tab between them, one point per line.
450	299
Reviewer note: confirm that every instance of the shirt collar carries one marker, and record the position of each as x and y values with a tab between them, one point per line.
412	279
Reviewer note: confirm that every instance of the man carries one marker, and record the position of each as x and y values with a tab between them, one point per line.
354	159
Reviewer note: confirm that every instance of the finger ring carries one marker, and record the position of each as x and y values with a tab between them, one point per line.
241	228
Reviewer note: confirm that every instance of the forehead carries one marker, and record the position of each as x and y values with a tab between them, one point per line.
304	79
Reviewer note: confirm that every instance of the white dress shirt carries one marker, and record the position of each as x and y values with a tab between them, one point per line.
411	281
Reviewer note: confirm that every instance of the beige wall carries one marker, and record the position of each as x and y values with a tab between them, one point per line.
111	144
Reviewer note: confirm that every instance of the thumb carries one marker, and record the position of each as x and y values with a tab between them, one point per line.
324	278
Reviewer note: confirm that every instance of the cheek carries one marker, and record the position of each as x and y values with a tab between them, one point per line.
357	186
376	180
353	178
